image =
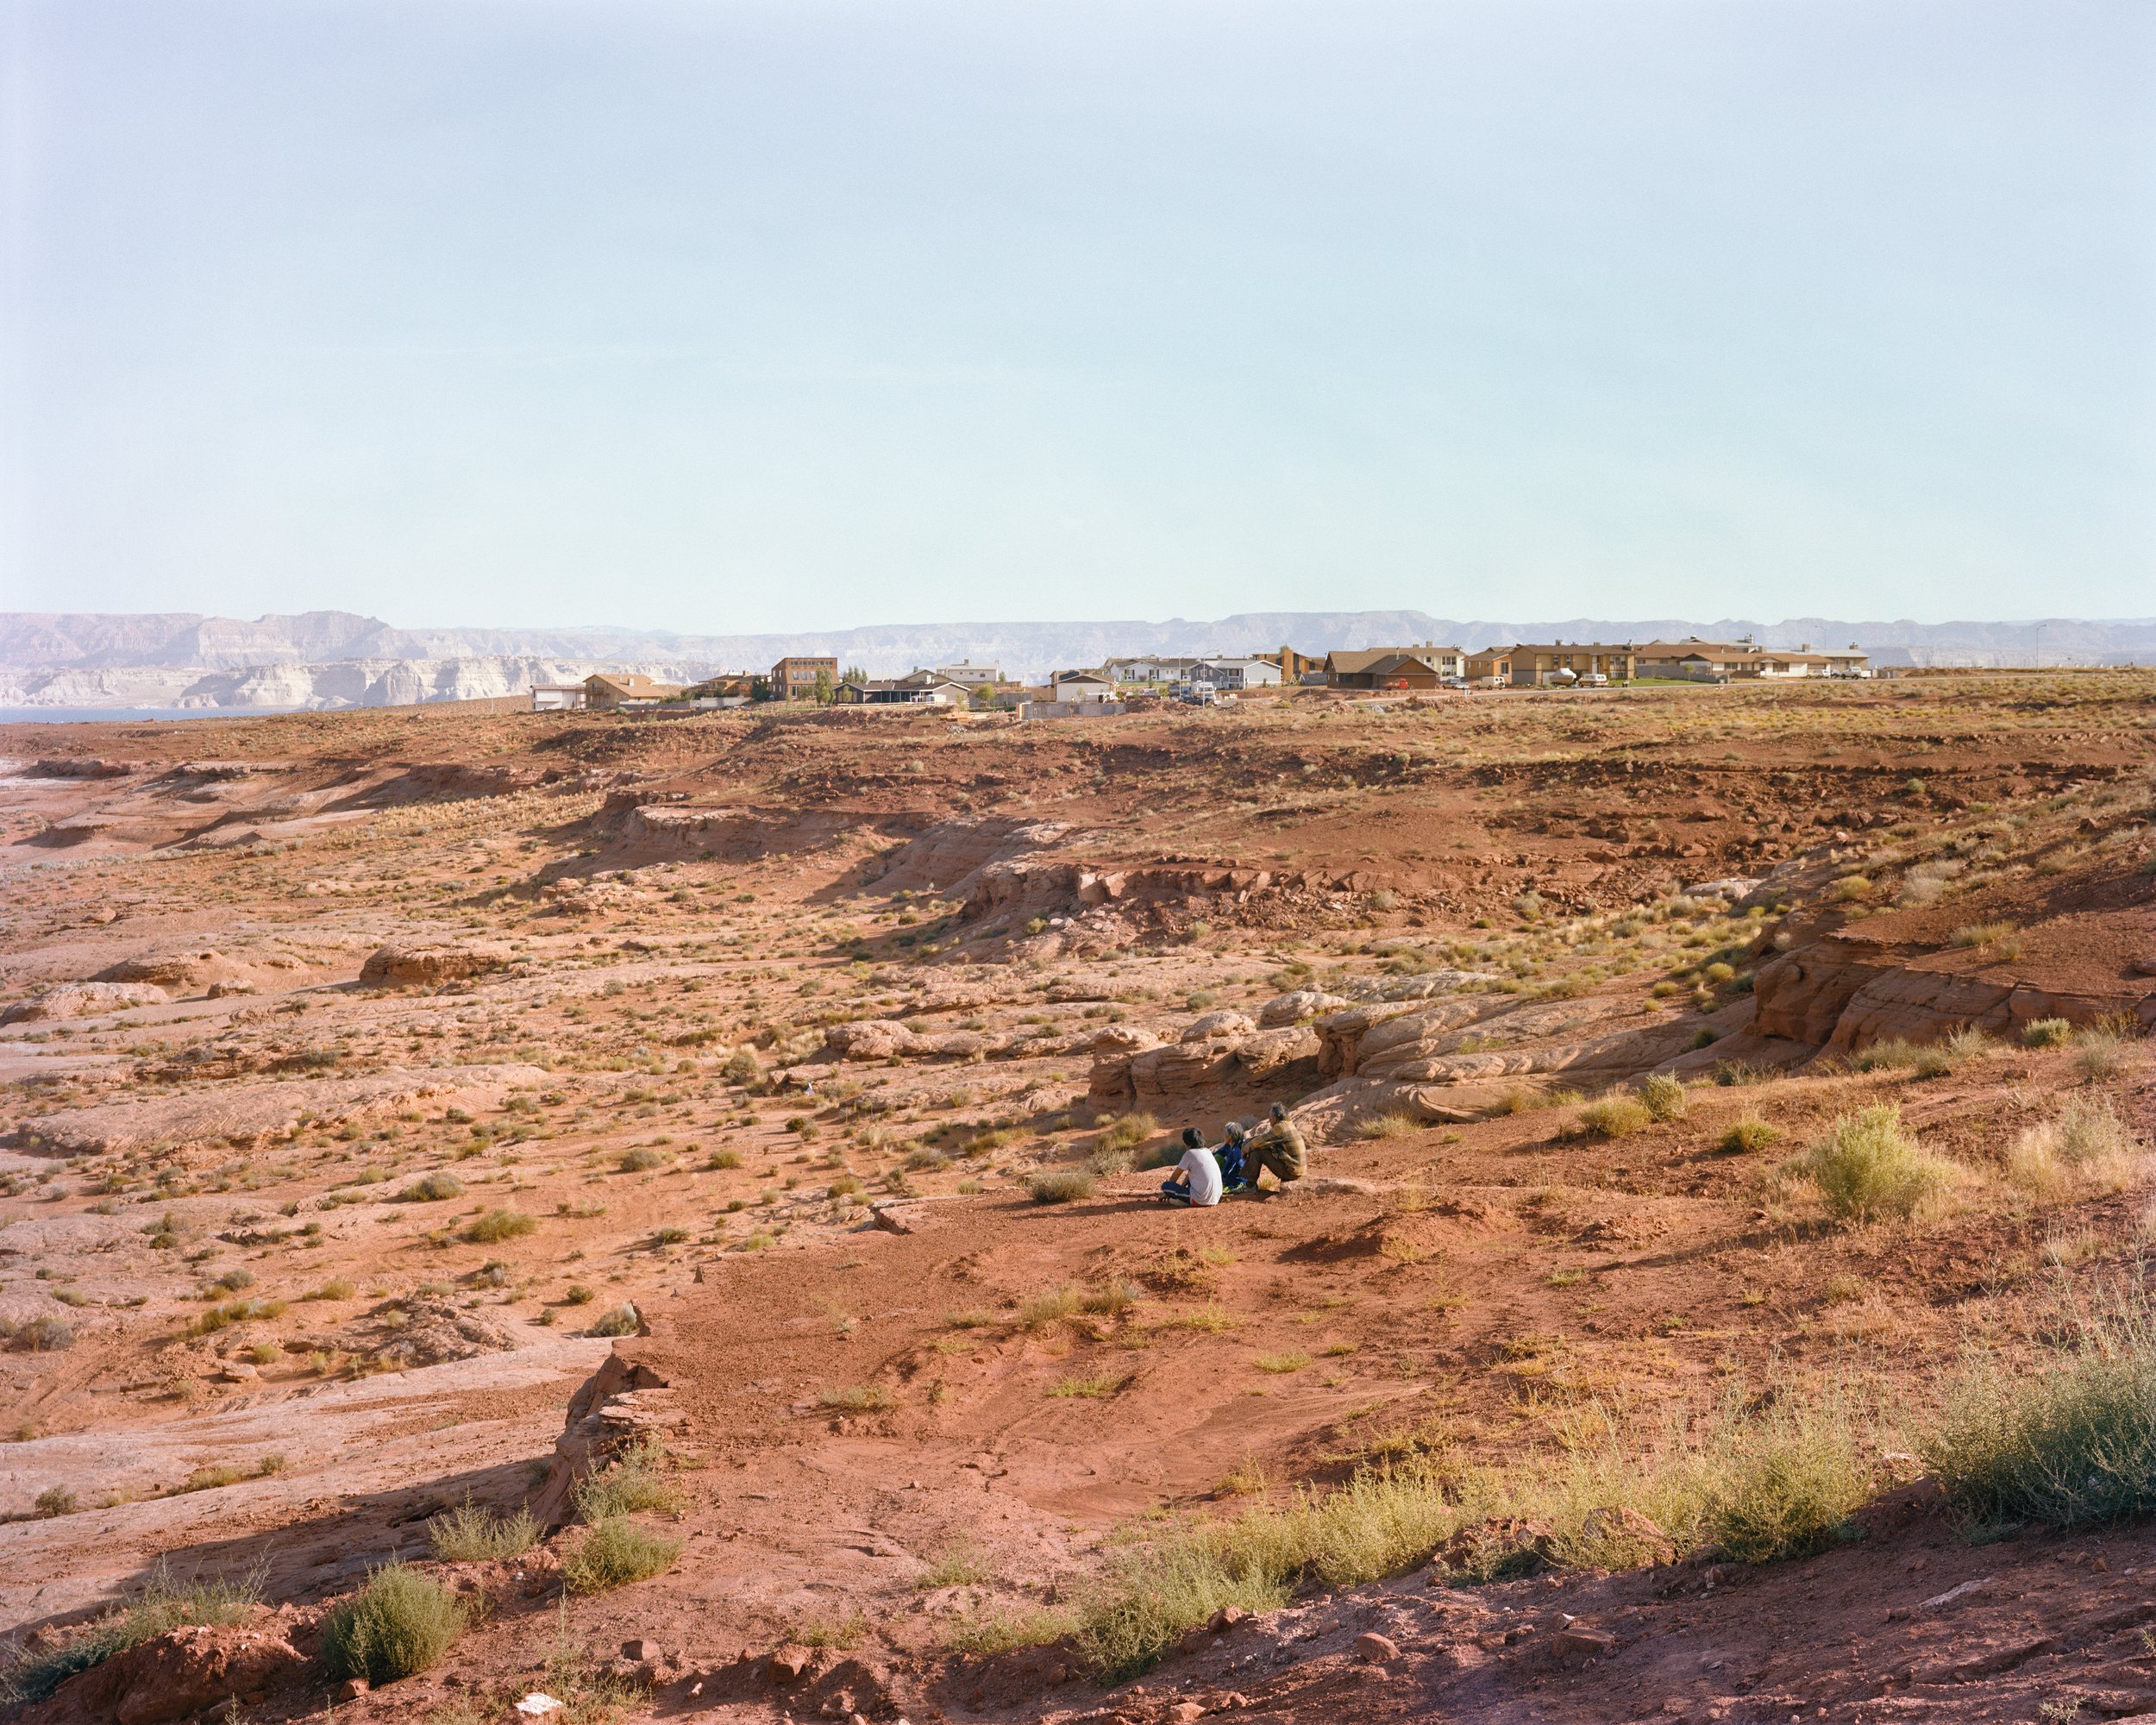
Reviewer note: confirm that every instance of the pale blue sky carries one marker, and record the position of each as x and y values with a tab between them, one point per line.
803	314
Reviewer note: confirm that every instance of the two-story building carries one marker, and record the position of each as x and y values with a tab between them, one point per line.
802	677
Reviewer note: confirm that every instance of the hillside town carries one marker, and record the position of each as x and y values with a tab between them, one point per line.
1116	683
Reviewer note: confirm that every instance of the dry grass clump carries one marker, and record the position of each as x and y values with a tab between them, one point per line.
1983	933
494	1225
1115	1150
1060	1186
614	1553
432	1188
1755	1489
1663	1096
468	1534
1613	1117
2071	1444
2046	1033
1869	1167
1043	1309
641	1160
855	1398
2084	1145
401	1622
2099	1053
1387	1125
960	1565
1888	1053
1748	1135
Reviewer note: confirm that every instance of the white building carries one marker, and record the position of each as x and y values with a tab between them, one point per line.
1236	673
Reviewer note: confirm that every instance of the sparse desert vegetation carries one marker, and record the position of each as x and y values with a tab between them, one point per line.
1752	1180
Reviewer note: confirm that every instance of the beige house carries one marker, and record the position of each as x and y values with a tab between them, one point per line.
1352	670
605	691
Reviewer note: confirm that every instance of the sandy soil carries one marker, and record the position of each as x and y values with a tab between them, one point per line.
356	1066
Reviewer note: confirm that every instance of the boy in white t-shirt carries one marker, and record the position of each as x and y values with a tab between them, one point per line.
1196	1181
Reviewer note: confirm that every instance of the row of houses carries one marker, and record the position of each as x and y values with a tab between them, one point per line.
1428	666
1561	663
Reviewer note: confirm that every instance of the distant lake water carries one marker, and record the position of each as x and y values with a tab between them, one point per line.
107	715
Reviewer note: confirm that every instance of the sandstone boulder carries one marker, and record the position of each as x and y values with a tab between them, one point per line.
1122	1039
83	1000
1298	1007
403	965
1217	1024
1233	1072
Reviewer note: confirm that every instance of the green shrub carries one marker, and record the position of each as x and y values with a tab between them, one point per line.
432	1188
2071	1443
401	1622
642	1159
497	1225
1663	1095
998	1632
2046	1033
1788	1486
468	1534
56	1500
1614	1117
635	1480
1060	1186
723	1158
614	1553
1868	1167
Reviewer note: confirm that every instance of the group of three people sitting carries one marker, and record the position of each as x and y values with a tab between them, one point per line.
1207	1174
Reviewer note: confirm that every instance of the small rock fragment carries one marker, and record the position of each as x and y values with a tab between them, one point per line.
538	1704
1375	1649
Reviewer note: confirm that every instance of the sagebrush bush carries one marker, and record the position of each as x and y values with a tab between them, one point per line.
2072	1443
401	1622
614	1553
432	1188
468	1534
1868	1167
641	1160
2046	1033
497	1225
1663	1096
